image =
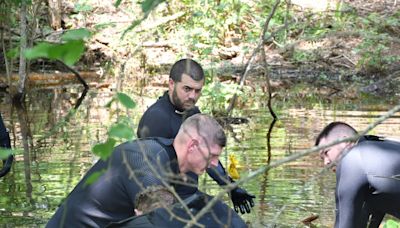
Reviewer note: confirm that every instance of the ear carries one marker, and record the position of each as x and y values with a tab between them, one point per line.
192	144
171	84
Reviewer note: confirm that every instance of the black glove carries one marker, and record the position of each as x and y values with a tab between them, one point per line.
242	200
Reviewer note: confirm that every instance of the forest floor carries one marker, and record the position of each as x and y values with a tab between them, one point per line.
332	68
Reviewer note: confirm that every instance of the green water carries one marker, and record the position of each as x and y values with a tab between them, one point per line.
60	155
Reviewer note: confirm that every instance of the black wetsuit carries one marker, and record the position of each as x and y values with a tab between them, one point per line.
5	143
131	168
368	182
4	137
162	120
220	215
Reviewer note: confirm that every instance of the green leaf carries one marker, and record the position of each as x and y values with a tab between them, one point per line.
75	34
13	53
126	100
4	153
69	52
104	150
149	5
39	51
132	26
117	3
83	7
108	105
72	51
94	177
121	130
391	224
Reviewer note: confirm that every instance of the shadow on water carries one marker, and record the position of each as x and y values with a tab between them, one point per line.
264	183
57	152
27	145
13	185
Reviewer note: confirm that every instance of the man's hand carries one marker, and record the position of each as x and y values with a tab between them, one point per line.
242	200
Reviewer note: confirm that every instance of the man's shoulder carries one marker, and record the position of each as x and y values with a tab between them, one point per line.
161	106
349	159
151	148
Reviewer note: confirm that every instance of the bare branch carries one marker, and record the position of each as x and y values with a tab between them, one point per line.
254	54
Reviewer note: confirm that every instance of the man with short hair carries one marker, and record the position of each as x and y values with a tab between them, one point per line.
367	176
136	166
163	118
155	208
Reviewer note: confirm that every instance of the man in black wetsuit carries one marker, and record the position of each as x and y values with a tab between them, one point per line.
135	166
367	176
5	143
163	119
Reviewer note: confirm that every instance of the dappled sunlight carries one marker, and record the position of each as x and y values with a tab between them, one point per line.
316	5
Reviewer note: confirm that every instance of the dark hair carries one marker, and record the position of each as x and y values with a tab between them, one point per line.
186	66
332	127
153	197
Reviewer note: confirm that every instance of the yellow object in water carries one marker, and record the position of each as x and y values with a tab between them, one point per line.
232	167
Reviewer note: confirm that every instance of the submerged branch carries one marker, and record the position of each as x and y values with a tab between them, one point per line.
81	80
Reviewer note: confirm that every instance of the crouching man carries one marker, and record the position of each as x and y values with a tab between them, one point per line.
137	165
367	176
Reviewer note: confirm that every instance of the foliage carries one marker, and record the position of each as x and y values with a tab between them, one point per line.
122	129
4	153
375	47
300	56
147	7
391	224
83	7
69	51
218	95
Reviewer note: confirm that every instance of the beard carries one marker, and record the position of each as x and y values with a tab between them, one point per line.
182	105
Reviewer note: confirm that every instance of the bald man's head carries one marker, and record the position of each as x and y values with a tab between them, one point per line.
334	131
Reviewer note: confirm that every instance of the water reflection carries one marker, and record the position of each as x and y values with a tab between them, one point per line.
60	155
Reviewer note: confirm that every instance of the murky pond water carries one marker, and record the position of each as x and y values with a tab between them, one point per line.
61	153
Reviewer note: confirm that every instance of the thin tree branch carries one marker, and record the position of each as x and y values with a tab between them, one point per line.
80	79
254	54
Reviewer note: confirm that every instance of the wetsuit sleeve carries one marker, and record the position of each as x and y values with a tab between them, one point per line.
154	123
219	174
351	190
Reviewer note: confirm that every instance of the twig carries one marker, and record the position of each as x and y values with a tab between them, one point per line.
252	58
163	20
352	62
81	80
76	73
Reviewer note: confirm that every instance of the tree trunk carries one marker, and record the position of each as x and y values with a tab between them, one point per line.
55	14
23	44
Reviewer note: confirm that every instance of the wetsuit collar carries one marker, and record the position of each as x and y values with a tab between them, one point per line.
370	138
166	96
